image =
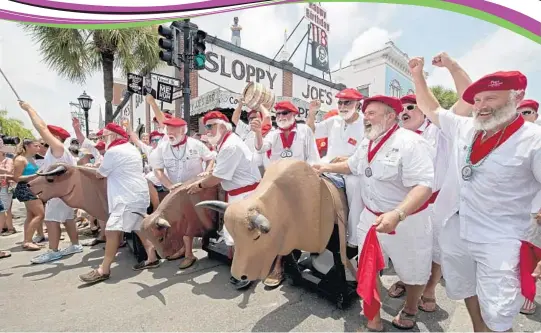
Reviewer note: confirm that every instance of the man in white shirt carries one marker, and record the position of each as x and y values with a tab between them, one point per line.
56	211
344	134
176	161
127	194
291	140
233	168
494	174
528	108
397	176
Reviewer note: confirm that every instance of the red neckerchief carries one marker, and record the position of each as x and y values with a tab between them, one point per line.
419	130
183	141
117	142
373	152
265	129
287	141
223	141
480	150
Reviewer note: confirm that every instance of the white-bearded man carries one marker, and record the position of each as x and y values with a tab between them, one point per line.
344	134
529	108
127	194
494	174
176	161
233	169
397	178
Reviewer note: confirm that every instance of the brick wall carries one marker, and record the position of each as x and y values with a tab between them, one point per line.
287	77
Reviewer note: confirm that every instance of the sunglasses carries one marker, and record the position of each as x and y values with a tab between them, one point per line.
344	102
284	113
527	112
155	140
409	107
209	126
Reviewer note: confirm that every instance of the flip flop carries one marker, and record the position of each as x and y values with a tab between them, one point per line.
405	316
28	248
92	242
5	254
426	300
274	280
526	310
397	290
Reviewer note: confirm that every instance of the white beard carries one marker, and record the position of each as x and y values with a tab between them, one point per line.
176	140
499	116
374	132
347	115
213	140
285	123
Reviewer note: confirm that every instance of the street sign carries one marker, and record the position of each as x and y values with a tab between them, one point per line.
164	92
165	79
135	83
177	94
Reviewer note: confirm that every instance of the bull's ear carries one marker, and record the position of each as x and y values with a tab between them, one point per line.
216	205
142	215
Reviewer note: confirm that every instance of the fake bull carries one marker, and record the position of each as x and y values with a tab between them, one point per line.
293	208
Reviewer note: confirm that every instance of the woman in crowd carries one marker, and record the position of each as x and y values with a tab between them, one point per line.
24	170
6	195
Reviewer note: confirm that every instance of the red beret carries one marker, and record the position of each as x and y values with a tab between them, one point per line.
512	80
408	99
350	93
214	115
166	115
155	133
174	122
393	102
117	129
286	106
100	145
100	132
529	103
58	131
330	114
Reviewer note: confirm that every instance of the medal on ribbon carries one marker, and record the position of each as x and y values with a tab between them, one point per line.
372	152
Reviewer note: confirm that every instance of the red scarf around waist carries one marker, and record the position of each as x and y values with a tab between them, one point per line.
530	255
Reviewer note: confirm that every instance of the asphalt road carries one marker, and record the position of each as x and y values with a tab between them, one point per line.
50	297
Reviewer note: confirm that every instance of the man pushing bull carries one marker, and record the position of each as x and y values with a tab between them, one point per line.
397	176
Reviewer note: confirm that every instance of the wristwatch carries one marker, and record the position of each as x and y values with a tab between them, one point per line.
401	214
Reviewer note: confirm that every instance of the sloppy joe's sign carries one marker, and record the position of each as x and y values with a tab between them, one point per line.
233	71
309	90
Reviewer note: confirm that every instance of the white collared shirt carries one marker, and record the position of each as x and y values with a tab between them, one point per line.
439	152
234	164
343	138
303	148
400	164
181	163
248	136
495	203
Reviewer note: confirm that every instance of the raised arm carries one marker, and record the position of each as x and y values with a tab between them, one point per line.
237	113
160	118
461	78
314	107
57	147
77	128
426	100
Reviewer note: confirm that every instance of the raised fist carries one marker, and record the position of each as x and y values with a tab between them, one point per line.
442	60
315	105
255	125
416	65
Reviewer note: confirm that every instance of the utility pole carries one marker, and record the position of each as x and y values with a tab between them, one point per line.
188	57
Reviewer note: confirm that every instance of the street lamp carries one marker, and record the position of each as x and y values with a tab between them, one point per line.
85	102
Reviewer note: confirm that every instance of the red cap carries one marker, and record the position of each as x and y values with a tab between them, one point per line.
166	115
155	133
174	122
529	103
351	94
330	114
512	80
117	129
286	106
214	115
58	131
100	145
393	102
408	99
100	132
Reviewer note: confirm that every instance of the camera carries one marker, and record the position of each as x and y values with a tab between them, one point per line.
10	140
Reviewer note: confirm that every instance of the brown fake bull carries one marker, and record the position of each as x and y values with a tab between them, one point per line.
292	208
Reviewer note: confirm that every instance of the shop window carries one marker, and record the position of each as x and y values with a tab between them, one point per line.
395	90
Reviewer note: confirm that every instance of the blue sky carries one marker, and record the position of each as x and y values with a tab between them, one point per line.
356	29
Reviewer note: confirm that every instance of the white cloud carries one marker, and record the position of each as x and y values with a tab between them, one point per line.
502	50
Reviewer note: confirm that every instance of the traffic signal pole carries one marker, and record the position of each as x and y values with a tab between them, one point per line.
187	65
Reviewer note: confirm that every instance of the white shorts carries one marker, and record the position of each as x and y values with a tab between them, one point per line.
6	198
123	218
490	271
57	211
410	248
436	227
230	199
356	206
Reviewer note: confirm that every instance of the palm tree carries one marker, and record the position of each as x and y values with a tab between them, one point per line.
76	54
13	127
446	97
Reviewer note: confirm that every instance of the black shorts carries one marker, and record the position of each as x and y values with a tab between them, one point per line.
23	193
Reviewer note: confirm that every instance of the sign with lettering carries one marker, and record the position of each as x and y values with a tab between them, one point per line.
233	71
318	37
309	90
135	83
164	92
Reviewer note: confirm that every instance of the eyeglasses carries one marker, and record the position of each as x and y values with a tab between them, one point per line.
209	126
284	113
527	112
344	102
409	107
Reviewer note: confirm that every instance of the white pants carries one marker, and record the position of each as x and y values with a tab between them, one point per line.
123	218
235	40
356	206
410	248
231	199
436	220
490	271
57	211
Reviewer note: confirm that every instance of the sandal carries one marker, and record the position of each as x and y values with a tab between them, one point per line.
423	301
528	308
146	265
93	277
179	255
397	290
31	247
9	232
5	254
404	316
92	242
187	262
274	279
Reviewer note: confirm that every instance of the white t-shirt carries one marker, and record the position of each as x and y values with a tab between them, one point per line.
184	162
440	151
234	164
495	203
49	159
400	164
88	144
343	139
126	183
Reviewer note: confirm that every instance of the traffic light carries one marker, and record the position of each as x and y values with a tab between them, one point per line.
199	50
169	45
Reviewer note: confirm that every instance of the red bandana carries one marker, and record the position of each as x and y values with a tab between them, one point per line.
419	131
287	141
183	141
481	149
223	140
117	142
372	152
265	129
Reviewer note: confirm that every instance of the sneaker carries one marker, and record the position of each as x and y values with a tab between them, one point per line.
46	257
73	248
39	239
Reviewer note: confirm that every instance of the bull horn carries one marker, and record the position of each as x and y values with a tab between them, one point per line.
55	172
142	215
260	222
216	205
162	223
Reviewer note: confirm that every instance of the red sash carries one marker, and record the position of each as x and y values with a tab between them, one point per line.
240	190
529	257
432	198
481	149
372	152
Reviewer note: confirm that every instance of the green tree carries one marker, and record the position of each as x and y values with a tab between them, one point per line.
446	97
76	54
13	127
